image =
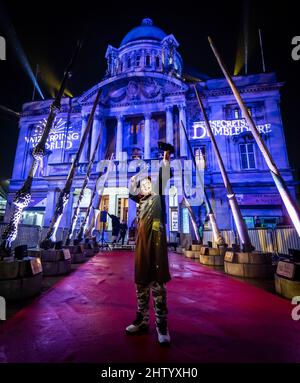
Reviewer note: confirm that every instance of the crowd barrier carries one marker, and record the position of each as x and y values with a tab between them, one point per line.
278	240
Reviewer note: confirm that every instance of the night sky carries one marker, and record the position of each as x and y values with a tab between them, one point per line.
48	32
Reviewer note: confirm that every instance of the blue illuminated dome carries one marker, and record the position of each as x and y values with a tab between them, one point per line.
145	31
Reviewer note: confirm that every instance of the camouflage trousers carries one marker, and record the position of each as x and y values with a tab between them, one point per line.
159	294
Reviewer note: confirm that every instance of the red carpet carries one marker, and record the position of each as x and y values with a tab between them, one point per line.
213	318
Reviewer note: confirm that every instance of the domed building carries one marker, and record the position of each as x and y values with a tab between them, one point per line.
145	48
146	94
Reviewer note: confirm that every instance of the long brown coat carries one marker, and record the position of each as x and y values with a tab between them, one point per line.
151	252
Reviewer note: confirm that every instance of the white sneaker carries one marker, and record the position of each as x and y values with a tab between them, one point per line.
138	326
163	333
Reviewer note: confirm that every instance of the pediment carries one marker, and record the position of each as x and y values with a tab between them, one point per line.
135	88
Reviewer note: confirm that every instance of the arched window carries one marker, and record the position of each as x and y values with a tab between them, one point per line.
128	62
135	130
200	156
236	113
157	62
148	60
138	60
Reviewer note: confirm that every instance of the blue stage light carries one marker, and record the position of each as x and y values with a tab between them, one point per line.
17	48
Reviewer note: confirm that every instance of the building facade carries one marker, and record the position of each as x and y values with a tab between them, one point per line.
145	97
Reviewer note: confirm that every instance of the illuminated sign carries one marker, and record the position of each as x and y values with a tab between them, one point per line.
226	128
258	199
60	137
174	220
185	221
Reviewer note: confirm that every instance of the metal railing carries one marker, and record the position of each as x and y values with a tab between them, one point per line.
278	240
229	236
285	239
27	235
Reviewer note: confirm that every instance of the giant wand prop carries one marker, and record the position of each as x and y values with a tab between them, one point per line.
283	190
87	229
23	196
64	195
218	238
81	194
237	215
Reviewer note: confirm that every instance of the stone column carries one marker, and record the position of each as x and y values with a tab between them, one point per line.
153	60
112	206
131	212
119	140
169	125
102	145
84	120
183	143
143	58
95	133
147	147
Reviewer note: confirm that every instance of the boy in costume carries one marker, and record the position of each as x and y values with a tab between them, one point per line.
151	253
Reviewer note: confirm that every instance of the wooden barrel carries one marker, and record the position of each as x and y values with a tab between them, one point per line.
189	253
192	254
56	262
16	269
51	255
9	269
74	248
205	250
249	265
21	288
196	247
87	250
211	260
287	287
78	257
36	253
29	267
61	267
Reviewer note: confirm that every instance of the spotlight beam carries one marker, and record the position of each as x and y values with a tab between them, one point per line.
9	111
17	48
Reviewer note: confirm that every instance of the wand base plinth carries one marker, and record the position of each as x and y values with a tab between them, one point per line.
249	265
20	279
54	262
